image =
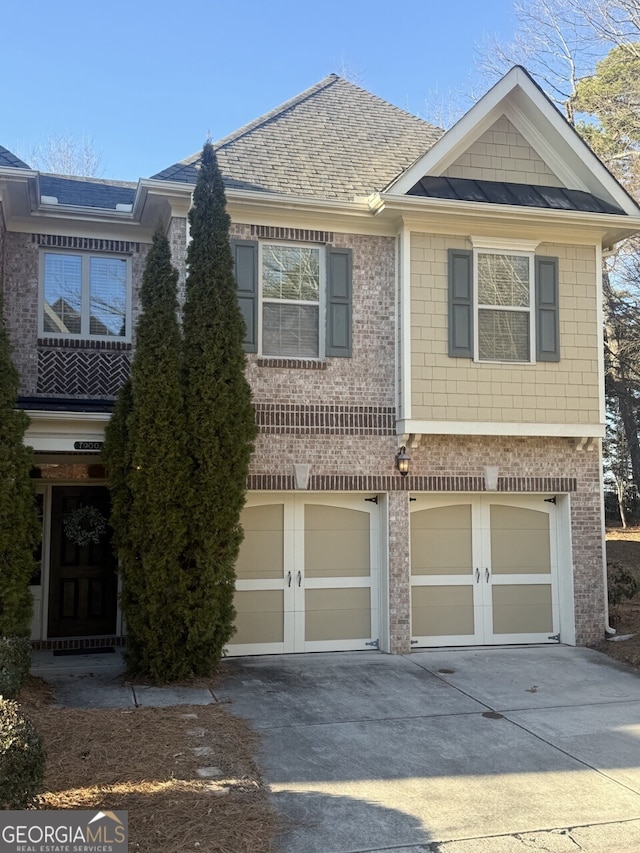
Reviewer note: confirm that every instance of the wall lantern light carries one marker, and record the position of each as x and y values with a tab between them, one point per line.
402	461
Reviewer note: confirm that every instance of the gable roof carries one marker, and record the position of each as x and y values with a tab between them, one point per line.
334	140
9	159
525	104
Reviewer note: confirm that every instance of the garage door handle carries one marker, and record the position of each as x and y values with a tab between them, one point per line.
289	579
486	575
477	575
299	578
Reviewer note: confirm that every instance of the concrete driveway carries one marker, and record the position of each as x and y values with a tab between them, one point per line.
466	751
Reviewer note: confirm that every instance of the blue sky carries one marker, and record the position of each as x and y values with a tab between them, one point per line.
148	80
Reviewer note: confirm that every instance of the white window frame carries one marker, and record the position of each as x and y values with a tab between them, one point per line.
504	250
85	279
321	303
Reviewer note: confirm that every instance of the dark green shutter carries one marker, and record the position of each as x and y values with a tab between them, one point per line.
460	303
245	259
547	310
339	302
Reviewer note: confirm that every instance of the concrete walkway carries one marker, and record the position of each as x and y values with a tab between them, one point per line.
95	681
467	751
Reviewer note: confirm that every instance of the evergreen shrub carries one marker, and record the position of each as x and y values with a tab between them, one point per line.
22	758
15	662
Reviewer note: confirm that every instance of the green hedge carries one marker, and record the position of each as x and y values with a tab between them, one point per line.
21	758
15	662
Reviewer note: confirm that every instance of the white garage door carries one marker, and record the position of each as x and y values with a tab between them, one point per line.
307	575
483	570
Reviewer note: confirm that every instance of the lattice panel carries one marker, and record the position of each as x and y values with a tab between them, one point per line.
83	373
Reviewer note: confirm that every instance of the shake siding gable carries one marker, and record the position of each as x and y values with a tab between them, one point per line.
503	154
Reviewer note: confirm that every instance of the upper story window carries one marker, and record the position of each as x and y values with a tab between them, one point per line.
504	306
295	299
504	315
85	296
292	284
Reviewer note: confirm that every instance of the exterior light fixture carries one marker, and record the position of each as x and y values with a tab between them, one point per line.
402	461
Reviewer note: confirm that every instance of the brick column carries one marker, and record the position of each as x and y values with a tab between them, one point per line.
399	573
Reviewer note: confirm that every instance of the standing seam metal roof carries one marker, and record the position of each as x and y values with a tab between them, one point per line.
335	140
522	195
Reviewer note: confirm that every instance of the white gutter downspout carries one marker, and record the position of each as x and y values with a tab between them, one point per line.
607	627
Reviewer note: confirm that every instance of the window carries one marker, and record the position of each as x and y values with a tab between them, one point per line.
503	306
85	296
291	278
504	315
295	299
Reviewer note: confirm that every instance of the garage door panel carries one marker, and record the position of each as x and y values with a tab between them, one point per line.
262	549
260	617
522	609
336	542
441	541
337	553
442	611
343	614
520	541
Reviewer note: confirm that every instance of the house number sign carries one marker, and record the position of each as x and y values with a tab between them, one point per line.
87	445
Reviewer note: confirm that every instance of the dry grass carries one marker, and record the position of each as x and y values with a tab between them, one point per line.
623	549
141	760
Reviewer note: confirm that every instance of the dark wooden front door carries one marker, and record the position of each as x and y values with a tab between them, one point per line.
83	581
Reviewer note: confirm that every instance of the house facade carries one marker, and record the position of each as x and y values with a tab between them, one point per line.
407	293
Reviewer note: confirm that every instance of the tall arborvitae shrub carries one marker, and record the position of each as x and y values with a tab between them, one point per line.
220	418
19	525
149	477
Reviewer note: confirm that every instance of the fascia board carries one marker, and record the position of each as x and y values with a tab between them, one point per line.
72	211
19	190
419	427
73	418
417	210
354	207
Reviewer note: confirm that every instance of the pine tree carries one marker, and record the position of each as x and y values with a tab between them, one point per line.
19	525
149	478
220	418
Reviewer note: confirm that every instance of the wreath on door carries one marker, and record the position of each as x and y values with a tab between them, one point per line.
84	525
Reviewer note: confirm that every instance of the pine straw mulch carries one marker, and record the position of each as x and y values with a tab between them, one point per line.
623	548
141	760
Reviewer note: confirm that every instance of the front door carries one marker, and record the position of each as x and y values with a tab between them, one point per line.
83	580
307	575
483	570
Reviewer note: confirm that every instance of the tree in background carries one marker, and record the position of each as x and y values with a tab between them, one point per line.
64	154
19	524
586	55
220	419
149	477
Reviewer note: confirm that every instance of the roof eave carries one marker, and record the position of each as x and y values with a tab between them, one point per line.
358	206
620	225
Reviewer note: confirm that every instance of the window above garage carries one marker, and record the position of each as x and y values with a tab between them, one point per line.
503	305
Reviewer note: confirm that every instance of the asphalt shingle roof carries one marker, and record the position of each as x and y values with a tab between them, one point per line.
87	192
9	159
499	192
335	140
